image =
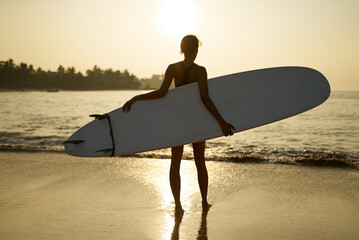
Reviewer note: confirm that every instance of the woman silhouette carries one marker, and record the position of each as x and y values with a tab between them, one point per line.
185	72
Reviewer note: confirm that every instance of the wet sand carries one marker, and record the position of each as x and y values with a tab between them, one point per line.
55	196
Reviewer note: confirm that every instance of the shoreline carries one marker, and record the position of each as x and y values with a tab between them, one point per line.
52	195
320	161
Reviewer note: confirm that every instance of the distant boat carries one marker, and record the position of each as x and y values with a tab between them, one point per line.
52	90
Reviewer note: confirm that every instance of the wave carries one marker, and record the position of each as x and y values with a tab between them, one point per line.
21	139
253	154
226	153
31	148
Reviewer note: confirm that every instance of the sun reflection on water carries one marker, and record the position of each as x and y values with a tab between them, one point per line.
189	186
154	174
189	190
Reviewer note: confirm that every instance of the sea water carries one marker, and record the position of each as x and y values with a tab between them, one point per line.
325	135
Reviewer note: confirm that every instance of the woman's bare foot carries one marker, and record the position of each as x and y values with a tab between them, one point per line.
179	211
206	206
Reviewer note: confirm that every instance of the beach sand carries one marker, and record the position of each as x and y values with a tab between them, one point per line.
56	196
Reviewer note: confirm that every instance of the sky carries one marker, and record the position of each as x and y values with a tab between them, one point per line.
143	36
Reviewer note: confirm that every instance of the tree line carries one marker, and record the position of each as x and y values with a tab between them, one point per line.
24	76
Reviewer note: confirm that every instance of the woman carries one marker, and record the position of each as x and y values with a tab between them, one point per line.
185	72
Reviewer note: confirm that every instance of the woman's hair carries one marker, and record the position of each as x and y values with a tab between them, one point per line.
189	44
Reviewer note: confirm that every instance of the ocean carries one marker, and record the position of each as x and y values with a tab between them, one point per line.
328	135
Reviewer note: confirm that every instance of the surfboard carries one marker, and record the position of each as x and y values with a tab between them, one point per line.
246	100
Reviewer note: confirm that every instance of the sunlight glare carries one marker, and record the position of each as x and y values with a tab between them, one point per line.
178	17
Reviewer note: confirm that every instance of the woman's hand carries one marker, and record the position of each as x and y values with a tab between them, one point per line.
227	129
127	106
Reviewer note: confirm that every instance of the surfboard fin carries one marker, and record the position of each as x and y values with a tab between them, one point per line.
105	150
74	141
99	116
106	116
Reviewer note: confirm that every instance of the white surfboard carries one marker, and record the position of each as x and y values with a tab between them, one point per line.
246	100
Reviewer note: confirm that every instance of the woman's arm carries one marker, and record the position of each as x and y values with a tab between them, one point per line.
207	101
154	94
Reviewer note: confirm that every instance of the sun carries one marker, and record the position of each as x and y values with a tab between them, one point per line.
178	17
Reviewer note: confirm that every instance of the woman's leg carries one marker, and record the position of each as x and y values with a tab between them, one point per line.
175	178
198	151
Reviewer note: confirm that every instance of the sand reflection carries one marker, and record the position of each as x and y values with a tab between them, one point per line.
175	235
176	220
202	232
